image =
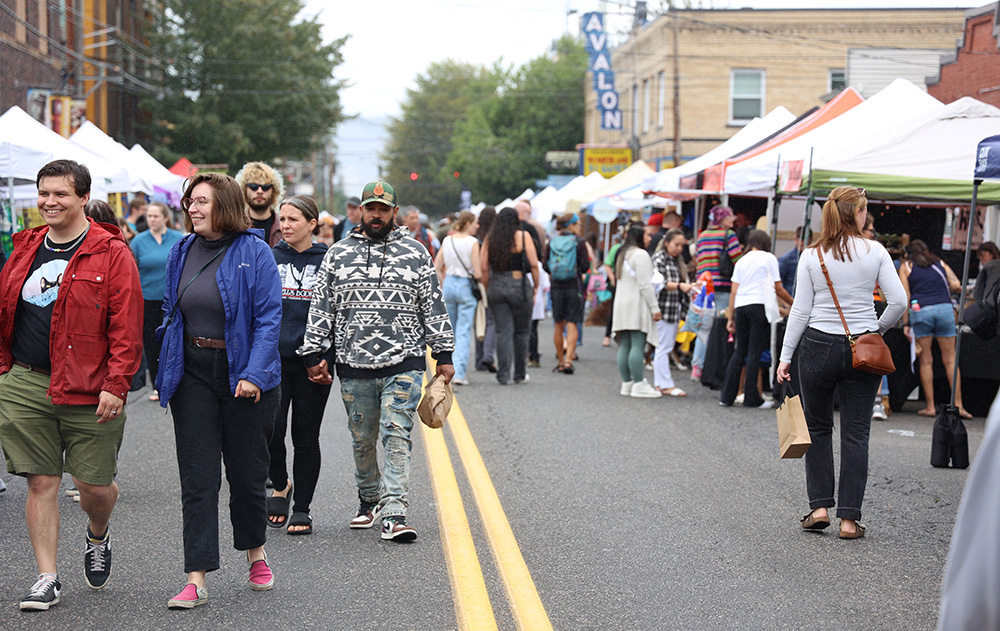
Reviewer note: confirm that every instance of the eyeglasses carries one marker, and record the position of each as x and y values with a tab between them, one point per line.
188	202
258	187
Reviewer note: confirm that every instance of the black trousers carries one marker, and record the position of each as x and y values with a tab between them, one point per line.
307	401
212	427
752	335
152	317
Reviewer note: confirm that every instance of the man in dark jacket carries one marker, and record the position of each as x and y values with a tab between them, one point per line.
263	192
70	341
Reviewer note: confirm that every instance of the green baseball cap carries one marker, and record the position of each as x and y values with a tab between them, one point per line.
379	191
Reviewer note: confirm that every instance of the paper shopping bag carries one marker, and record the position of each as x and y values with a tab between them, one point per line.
793	434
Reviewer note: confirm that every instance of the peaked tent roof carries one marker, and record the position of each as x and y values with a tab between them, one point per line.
897	103
161	177
91	137
183	168
579	185
843	102
749	135
631	177
17	126
931	157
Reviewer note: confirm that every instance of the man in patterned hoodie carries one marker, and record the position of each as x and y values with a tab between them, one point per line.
378	302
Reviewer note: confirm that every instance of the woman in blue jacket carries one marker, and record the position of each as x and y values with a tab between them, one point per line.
220	373
298	259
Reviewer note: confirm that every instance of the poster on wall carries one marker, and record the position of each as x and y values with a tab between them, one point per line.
38	105
60	114
78	114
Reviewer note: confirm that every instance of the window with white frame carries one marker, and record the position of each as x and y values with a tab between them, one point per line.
746	92
836	80
645	106
661	79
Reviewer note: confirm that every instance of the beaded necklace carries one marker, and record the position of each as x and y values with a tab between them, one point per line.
75	242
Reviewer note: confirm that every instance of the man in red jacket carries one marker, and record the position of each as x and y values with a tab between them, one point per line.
70	341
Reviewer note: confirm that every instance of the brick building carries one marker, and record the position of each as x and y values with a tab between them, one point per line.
733	65
974	68
56	55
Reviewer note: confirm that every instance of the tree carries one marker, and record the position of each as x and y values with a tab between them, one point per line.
421	138
499	146
240	80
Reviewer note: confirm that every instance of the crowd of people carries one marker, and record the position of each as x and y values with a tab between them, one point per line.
243	319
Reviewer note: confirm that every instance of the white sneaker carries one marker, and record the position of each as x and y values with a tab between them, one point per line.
738	400
526	379
459	381
626	389
642	390
766	405
878	412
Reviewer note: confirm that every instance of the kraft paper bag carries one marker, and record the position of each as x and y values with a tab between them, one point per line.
434	407
793	434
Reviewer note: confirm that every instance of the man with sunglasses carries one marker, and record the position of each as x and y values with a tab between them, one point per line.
263	191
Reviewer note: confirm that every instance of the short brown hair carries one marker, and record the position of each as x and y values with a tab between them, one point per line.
229	212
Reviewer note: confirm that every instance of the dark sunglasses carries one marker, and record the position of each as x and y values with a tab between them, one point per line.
257	187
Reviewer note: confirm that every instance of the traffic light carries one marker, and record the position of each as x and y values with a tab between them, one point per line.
414	176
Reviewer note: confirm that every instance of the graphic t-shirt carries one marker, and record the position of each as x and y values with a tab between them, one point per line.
33	318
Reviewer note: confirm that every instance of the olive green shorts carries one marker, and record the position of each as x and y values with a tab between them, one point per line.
45	439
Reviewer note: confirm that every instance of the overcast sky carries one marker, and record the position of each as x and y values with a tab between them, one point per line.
393	41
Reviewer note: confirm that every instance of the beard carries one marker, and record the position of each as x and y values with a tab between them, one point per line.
259	207
377	233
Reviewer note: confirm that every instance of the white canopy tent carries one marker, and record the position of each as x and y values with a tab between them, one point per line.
556	203
19	128
161	177
630	178
895	105
90	137
753	132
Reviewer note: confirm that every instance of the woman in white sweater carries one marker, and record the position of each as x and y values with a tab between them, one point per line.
635	310
855	265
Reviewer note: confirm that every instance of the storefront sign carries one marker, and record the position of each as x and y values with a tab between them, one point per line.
596	42
608	161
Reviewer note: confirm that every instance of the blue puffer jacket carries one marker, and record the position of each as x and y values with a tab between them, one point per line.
251	294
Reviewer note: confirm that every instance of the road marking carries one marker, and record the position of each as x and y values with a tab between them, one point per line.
472	603
525	603
902	432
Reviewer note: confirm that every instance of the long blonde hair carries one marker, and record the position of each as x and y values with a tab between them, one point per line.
839	222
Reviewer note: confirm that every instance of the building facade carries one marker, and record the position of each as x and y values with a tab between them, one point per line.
64	61
973	69
712	71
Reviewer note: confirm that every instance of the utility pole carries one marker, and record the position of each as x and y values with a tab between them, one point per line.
677	92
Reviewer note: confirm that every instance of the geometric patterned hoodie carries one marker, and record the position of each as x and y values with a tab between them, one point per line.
380	305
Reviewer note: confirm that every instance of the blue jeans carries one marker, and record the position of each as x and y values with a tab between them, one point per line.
461	305
382	407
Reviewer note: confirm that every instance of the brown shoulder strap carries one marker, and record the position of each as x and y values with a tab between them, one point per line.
829	283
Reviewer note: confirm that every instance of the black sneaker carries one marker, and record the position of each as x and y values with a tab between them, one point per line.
97	559
368	512
395	528
42	595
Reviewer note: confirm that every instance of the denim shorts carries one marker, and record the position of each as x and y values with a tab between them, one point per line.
933	320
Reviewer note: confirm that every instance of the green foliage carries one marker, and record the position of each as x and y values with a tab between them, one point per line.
242	80
500	145
421	138
491	125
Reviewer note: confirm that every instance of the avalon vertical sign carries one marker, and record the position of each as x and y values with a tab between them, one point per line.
596	42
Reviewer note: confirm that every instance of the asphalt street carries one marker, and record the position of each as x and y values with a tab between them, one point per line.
672	514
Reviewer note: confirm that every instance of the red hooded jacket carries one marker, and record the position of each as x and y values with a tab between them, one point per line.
95	341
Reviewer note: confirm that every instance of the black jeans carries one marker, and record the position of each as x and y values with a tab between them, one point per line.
152	317
825	365
510	299
210	423
753	332
307	401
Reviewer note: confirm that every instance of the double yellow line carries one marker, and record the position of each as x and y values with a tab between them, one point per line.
472	602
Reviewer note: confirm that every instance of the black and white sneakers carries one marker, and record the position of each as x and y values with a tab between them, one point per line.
43	594
97	559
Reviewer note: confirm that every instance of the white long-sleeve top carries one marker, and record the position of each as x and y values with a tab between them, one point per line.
854	281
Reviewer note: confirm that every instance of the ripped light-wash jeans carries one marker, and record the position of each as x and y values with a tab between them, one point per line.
382	408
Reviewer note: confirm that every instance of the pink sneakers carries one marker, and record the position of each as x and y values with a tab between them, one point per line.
261	578
191	596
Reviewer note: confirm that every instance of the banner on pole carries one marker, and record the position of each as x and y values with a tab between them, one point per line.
988	159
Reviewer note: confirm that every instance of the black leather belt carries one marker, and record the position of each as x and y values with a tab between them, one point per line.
204	342
37	369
